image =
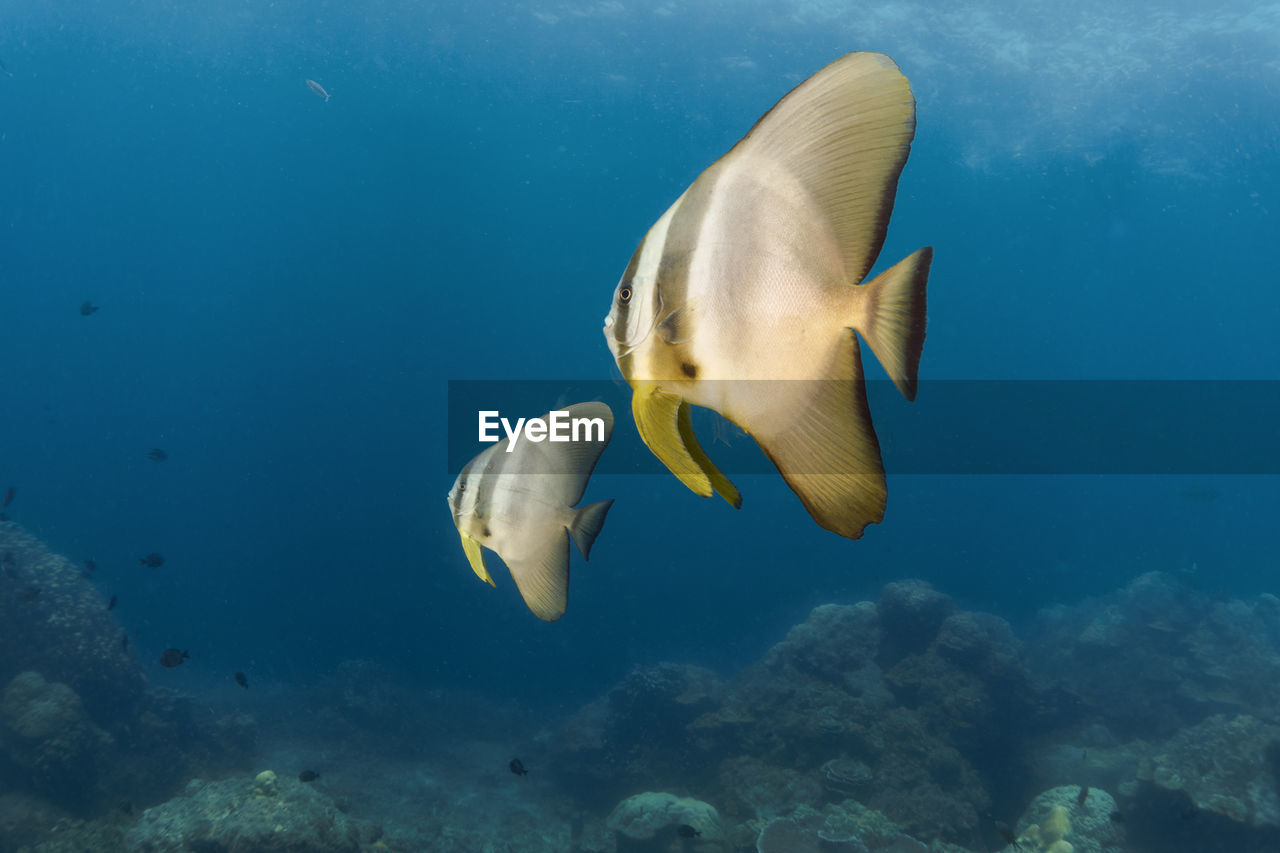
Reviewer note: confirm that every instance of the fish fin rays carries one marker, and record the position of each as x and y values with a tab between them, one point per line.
666	427
895	321
542	574
828	452
844	135
586	525
475	556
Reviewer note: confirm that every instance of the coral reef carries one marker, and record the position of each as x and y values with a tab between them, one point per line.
44	730
652	822
1058	822
263	814
1225	765
1158	656
55	622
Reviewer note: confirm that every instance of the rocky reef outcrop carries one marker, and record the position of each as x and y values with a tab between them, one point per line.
264	813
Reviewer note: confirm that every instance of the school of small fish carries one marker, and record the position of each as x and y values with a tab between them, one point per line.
747	297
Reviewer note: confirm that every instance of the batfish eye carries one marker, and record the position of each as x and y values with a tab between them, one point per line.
624	295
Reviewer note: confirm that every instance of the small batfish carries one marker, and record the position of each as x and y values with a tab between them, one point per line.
308	776
516	766
152	560
318	89
8	497
172	657
155	454
243	681
111	605
1082	796
748	296
520	505
90	565
87	308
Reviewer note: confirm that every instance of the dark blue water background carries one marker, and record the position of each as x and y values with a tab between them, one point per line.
286	286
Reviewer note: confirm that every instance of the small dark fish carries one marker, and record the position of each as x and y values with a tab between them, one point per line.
1082	796
7	563
308	776
87	308
517	767
152	560
124	642
8	497
1007	834
29	594
172	658
243	681
686	831
126	807
155	454
1117	817
111	605
90	565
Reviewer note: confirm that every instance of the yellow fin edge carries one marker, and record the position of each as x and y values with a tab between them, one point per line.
666	428
471	547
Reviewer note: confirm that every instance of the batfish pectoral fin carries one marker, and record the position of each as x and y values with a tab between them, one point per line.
471	547
666	427
825	447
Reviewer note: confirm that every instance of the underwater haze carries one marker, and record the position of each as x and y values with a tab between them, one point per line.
286	285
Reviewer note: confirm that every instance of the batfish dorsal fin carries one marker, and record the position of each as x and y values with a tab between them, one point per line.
844	134
564	467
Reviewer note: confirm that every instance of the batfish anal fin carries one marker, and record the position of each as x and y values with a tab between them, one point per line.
586	524
542	574
826	449
475	556
895	318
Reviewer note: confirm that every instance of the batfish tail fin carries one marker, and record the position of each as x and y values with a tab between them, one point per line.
896	318
666	427
819	435
586	524
542	575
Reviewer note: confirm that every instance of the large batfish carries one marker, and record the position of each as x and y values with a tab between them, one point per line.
745	296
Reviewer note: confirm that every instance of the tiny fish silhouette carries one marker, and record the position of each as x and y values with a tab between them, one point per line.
318	89
1082	796
155	454
30	594
8	497
152	560
243	681
90	565
308	776
172	658
87	308
517	767
111	605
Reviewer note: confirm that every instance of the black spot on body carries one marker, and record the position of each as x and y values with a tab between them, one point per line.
690	370
485	532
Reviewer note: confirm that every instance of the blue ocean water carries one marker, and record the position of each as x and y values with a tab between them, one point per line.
287	284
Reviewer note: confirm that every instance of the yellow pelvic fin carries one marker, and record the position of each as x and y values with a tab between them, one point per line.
666	427
471	547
